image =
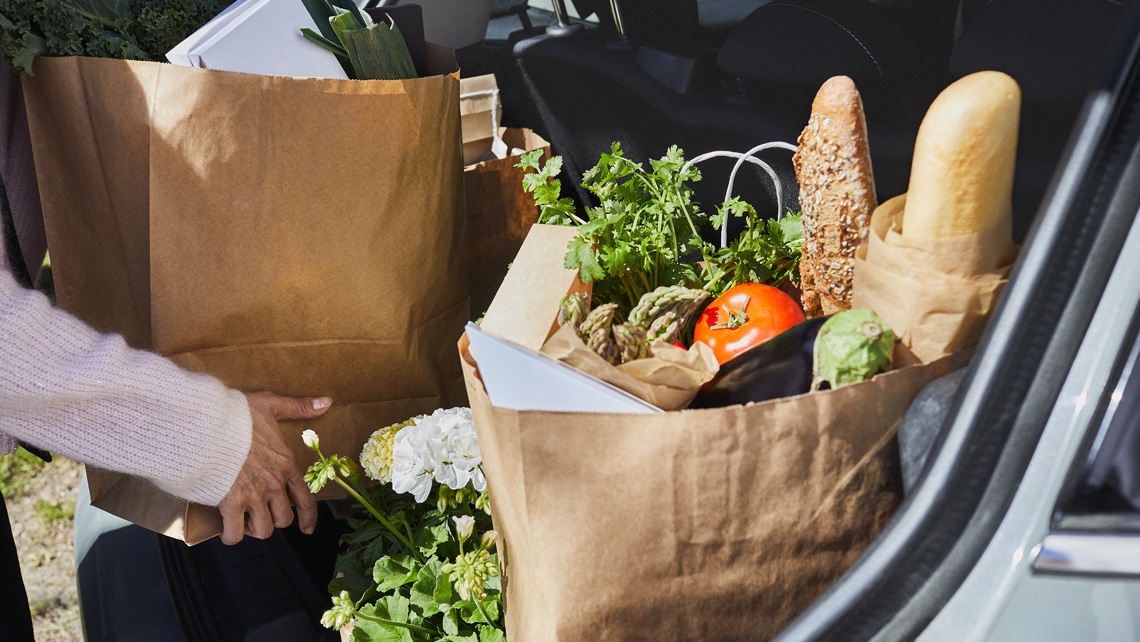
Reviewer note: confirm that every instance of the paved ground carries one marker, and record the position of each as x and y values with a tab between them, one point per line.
41	504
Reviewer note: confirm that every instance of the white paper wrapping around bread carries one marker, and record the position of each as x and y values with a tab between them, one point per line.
935	294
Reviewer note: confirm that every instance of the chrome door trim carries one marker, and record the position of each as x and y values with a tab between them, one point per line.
1088	554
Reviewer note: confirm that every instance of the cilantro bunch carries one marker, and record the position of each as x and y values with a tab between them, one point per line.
646	232
643	235
126	29
765	252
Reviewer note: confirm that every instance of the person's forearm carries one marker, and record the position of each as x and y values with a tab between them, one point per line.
88	396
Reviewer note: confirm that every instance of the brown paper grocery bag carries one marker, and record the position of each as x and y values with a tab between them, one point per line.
304	236
718	524
935	294
499	214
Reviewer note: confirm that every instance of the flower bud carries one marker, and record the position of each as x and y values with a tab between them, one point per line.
489	539
348	467
310	438
340	614
464	525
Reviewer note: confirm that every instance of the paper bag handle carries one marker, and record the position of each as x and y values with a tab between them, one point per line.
740	160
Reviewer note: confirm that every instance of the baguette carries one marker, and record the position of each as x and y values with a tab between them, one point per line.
961	179
837	195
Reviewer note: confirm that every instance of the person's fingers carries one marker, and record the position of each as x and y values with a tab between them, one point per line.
280	510
260	522
233	523
297	407
306	504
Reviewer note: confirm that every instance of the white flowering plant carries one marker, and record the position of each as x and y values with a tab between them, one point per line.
414	569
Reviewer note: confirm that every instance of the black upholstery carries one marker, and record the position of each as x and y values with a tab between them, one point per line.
1057	51
665	23
808	41
589	96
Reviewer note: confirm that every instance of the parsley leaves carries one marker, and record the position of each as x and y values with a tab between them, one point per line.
646	231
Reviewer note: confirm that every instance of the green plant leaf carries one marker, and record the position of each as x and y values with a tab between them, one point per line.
347	5
393	572
444	592
320	11
318	39
451	622
350	575
391	607
432	535
422	593
469	612
491	634
580	256
791	227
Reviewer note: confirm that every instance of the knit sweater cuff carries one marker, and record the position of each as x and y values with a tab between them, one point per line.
228	451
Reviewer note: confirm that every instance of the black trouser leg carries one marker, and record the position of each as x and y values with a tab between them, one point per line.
15	617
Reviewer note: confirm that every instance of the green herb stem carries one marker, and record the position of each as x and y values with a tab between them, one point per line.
375	513
366	596
410	627
648	288
627	284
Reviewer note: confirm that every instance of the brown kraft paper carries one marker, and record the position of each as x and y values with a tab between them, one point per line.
669	378
499	215
935	294
718	524
304	236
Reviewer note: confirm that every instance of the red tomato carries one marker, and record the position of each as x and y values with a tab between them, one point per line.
745	316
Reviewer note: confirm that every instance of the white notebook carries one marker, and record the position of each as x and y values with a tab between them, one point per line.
259	37
519	378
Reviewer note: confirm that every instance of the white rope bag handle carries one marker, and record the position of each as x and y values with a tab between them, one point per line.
749	157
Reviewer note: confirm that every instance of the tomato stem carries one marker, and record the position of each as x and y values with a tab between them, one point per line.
736	318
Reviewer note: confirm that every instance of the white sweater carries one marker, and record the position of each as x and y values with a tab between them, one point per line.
88	396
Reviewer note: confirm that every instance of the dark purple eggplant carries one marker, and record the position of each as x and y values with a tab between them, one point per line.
779	367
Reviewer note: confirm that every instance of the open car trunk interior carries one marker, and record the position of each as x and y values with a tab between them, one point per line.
711	78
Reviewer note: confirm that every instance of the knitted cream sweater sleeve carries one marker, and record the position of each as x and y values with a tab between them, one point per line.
88	396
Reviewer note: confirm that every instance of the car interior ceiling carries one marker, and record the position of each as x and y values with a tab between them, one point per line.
727	75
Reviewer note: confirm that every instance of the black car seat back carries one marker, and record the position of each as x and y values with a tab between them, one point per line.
759	88
1057	51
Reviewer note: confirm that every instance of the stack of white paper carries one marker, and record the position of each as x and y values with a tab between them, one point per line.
259	37
519	378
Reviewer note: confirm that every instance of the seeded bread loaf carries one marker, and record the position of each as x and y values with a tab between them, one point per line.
961	180
837	195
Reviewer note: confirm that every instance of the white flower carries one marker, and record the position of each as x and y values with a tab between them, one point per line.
376	456
310	438
414	455
464	525
442	447
463	445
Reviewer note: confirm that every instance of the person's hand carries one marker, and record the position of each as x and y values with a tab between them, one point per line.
270	475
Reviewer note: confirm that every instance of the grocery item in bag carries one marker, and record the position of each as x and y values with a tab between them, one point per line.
718	524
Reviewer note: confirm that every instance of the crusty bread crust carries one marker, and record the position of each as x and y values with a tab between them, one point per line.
837	195
961	180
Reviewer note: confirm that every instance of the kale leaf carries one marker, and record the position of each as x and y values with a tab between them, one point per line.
126	29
